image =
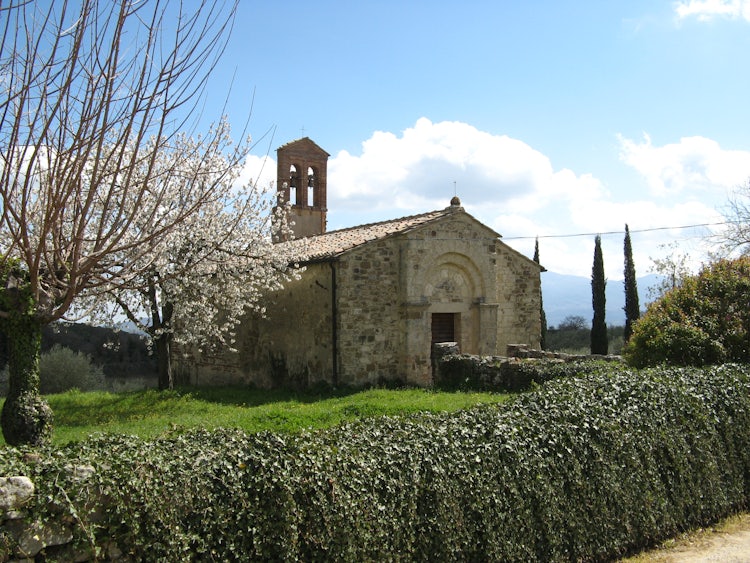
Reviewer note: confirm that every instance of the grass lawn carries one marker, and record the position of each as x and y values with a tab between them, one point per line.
150	413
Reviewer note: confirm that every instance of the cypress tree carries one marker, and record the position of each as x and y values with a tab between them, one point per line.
542	315
599	344
632	307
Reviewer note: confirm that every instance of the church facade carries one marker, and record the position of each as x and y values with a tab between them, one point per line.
373	298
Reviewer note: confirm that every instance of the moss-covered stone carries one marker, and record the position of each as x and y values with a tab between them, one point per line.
26	418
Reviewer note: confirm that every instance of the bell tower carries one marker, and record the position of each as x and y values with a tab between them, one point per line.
301	180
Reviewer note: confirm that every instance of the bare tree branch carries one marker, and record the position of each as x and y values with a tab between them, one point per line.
96	97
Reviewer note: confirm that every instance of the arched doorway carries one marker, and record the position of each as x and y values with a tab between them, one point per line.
452	289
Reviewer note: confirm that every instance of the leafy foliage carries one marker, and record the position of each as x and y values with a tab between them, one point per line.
473	373
25	418
573	340
120	353
706	320
61	369
583	468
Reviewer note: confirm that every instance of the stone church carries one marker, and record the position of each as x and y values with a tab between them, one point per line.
373	298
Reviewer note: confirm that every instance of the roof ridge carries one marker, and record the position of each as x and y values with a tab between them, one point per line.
301	140
384	222
334	243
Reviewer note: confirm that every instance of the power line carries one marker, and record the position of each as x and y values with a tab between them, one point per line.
622	232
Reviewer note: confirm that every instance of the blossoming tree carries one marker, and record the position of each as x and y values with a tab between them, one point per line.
208	271
94	125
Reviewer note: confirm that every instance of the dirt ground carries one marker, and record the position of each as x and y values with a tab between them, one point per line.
726	542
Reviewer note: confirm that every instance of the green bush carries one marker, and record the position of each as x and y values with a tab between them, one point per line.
581	469
61	369
704	321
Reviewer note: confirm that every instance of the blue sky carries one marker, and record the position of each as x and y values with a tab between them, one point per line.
551	117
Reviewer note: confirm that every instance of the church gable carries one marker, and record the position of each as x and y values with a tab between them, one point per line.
335	243
374	298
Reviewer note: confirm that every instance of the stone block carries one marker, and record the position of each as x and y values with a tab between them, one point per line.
15	492
33	538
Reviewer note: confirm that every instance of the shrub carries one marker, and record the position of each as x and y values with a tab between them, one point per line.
61	369
582	469
704	321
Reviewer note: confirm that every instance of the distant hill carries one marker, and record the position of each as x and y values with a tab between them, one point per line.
571	296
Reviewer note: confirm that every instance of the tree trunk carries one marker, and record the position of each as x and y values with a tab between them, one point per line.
26	418
163	346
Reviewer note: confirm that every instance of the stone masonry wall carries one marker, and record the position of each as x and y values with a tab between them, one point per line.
293	342
519	298
448	268
290	346
517	371
370	329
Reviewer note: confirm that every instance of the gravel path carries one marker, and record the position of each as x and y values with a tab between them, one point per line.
723	547
727	542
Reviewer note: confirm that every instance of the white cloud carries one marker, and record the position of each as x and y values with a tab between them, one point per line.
503	182
514	189
691	165
583	220
260	170
705	10
421	166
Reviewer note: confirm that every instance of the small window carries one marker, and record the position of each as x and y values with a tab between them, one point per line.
310	187
293	184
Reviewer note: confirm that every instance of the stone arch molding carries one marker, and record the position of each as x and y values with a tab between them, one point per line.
453	281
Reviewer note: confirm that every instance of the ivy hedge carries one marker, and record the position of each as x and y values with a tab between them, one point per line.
582	469
466	372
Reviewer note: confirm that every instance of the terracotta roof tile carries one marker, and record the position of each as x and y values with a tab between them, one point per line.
334	243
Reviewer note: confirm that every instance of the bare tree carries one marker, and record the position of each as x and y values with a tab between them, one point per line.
736	237
673	268
97	96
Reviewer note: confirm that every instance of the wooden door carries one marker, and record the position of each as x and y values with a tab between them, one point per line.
443	327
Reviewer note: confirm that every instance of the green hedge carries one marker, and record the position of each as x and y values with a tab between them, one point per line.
583	468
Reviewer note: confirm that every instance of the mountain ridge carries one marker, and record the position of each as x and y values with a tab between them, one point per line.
566	295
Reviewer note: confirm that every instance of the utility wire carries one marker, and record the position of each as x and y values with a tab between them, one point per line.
623	231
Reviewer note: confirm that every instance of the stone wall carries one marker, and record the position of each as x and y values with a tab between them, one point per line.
370	328
51	538
517	371
519	298
291	345
448	268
